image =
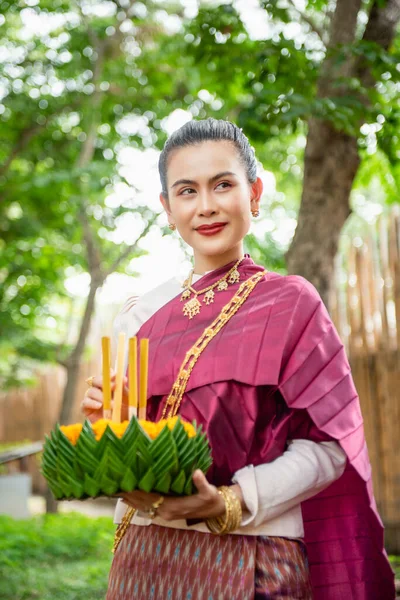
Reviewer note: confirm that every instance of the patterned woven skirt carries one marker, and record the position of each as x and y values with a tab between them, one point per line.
157	563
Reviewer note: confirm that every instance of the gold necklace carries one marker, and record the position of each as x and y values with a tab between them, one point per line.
193	305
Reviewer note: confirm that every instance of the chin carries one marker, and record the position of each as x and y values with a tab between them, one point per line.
215	247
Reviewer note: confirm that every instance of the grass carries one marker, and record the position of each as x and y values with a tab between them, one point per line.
395	562
61	557
55	557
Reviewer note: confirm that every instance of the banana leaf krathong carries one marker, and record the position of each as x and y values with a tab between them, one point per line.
95	461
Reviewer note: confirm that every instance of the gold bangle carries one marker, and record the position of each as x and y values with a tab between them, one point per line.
233	514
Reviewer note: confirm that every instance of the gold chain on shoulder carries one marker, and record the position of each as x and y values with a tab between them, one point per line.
174	399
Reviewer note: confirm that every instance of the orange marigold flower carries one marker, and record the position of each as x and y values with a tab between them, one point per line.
154	429
101	425
149	427
72	432
190	430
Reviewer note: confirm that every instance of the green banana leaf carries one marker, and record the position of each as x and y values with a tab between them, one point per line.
111	465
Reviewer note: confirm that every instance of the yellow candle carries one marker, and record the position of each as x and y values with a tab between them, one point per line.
116	415
106	354
144	368
133	391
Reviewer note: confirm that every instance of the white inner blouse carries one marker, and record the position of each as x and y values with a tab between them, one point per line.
272	492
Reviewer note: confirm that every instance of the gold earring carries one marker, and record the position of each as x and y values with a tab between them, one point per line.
255	213
172	226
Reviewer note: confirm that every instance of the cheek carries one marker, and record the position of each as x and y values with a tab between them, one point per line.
181	211
239	208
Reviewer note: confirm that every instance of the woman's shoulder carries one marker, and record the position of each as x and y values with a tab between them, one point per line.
294	286
142	307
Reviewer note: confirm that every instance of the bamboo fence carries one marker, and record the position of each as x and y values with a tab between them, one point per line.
365	306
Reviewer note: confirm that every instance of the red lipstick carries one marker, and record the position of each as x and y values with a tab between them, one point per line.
211	229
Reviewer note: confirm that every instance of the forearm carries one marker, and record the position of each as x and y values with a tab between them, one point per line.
304	470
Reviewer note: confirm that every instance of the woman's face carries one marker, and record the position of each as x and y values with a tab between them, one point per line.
207	184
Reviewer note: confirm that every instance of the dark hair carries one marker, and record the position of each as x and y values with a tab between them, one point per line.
196	132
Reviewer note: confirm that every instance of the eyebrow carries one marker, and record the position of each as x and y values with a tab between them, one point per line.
211	180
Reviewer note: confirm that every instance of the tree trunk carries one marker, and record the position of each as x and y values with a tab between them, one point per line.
331	163
73	362
331	158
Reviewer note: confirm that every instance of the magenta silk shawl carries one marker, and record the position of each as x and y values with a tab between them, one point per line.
278	371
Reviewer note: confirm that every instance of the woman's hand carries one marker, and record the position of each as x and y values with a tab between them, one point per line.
207	503
92	403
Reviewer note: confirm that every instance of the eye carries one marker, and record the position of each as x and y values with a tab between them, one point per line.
224	183
187	191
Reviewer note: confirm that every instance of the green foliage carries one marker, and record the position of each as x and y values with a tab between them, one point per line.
55	557
265	251
64	95
395	562
75	95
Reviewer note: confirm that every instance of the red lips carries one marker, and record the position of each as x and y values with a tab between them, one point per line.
210	227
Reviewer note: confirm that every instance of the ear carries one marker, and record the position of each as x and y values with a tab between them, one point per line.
256	192
165	204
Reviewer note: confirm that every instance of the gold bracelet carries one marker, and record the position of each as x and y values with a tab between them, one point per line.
233	514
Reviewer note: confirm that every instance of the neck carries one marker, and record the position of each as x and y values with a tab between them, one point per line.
204	263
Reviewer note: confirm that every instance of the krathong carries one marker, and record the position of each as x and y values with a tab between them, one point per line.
109	456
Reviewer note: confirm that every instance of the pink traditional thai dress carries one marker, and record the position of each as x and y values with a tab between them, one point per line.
277	371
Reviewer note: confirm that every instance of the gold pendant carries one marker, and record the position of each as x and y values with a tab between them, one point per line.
234	277
222	286
192	308
185	295
209	297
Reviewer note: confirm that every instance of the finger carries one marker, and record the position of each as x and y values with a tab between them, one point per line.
97	381
94	394
114	383
200	481
135	503
89	404
131	504
144	497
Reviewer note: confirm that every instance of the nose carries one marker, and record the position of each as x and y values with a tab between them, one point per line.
205	205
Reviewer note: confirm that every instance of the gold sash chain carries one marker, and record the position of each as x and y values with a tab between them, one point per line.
174	399
178	389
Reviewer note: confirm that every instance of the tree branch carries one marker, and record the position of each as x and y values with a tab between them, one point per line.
381	30
129	249
344	22
22	142
304	17
26	135
342	32
92	251
88	146
62	363
68	330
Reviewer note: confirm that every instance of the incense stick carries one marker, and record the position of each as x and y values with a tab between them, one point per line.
116	414
106	354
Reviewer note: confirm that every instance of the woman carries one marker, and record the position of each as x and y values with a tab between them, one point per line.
270	383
